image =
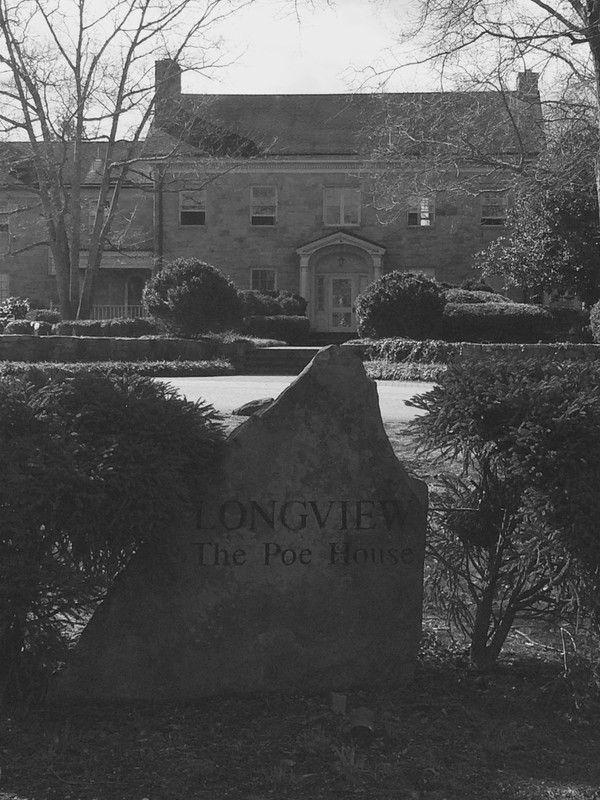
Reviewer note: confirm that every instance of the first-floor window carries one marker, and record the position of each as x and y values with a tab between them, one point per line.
494	207
421	212
263	280
341	205
192	207
4	286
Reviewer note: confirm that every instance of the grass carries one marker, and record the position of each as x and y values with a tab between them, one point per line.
527	731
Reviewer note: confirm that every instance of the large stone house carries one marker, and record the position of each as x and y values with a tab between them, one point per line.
277	191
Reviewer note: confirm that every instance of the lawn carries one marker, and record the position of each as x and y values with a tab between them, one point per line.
528	731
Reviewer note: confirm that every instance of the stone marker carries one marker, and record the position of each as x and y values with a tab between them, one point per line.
302	570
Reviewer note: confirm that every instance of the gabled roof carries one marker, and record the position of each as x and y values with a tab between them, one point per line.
340	124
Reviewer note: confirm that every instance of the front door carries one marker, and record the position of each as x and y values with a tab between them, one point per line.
336	296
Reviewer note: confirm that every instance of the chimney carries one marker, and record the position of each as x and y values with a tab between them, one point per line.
167	85
527	86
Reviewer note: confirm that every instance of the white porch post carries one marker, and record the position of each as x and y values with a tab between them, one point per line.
305	287
377	266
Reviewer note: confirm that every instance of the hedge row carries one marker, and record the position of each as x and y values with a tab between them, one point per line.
293	330
496	322
152	369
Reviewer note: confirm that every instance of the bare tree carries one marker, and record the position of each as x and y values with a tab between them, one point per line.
482	44
78	72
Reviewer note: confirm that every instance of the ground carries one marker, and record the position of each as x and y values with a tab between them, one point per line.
525	732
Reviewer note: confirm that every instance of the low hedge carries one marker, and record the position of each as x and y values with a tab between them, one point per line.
496	322
129	327
398	350
473	296
152	369
293	330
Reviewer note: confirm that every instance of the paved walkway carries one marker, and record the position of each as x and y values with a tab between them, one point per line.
229	392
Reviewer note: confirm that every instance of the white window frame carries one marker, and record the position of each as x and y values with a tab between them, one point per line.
341	197
255	279
493	208
421	212
263	210
192	202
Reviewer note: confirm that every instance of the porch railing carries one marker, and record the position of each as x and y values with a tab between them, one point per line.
117	312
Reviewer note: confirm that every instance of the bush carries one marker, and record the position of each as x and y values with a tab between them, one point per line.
477	285
400	304
44	315
519	530
429	351
258	304
292	304
570	324
173	369
133	327
595	322
189	296
19	326
79	327
114	461
14	308
471	296
496	322
293	330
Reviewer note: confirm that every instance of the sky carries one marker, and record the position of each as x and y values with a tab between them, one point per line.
328	49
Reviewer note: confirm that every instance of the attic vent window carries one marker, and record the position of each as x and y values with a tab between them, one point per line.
192	207
421	212
263	205
494	206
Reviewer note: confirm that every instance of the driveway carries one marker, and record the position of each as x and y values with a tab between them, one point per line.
229	392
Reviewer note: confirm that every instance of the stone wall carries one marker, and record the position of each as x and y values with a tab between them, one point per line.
103	348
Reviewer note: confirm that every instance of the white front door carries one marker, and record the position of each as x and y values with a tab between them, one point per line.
336	294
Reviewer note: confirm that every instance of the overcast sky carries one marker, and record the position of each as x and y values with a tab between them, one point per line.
327	50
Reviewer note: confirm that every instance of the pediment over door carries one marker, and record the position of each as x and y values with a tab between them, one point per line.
342	238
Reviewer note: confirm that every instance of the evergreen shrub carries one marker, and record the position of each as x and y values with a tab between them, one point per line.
14	308
473	296
79	327
595	322
258	304
400	304
496	322
189	296
115	461
44	315
293	330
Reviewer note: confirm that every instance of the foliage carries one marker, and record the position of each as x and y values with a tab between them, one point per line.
400	304
496	322
570	324
16	326
114	460
595	322
425	352
81	327
173	369
293	330
190	296
14	308
461	295
271	303
517	532
44	315
553	244
383	370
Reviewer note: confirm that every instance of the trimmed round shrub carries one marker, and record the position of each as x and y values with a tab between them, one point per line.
189	296
400	304
477	285
44	315
595	322
496	322
473	296
293	330
292	304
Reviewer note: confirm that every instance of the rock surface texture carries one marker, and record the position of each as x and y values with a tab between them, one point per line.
302	570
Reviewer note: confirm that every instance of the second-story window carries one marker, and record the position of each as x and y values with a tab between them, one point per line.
263	205
494	208
341	205
192	207
421	212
